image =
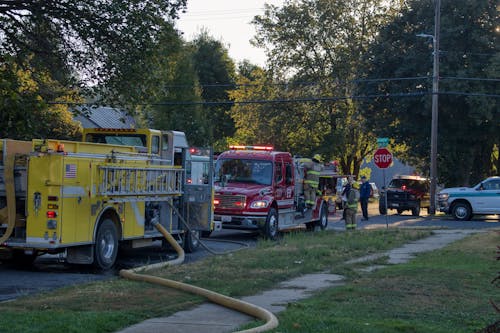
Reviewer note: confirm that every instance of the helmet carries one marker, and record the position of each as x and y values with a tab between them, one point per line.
355	185
317	157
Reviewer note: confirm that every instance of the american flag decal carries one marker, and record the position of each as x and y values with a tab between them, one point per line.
70	171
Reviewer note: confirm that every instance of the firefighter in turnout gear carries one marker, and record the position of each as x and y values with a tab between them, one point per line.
311	180
352	207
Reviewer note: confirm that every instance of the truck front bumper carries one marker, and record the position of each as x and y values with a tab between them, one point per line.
241	222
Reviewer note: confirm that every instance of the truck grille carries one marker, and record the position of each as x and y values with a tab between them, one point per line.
227	201
397	196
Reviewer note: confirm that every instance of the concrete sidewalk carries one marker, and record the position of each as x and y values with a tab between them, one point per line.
212	318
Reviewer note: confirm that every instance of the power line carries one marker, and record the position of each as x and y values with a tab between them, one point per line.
469	94
301	100
469	79
316	83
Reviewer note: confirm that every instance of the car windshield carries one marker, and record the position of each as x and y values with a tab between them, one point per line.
244	171
408	183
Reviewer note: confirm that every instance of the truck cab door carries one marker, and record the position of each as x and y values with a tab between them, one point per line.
282	187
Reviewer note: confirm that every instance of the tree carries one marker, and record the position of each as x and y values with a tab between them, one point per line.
468	120
216	73
180	85
263	114
101	41
322	42
24	114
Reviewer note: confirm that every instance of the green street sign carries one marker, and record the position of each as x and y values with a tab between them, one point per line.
382	142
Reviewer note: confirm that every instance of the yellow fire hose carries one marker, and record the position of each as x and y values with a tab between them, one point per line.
250	309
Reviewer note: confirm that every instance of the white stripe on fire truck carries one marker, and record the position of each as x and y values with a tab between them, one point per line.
285	202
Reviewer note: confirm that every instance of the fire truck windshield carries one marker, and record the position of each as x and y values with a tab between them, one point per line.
244	171
122	139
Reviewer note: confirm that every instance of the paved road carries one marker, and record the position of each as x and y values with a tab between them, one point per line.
49	272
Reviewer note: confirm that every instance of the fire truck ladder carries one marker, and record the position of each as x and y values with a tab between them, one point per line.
122	184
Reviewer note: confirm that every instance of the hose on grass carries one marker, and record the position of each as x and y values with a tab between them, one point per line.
250	309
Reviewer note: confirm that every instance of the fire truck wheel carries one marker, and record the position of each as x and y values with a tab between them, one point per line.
191	241
271	228
323	218
106	245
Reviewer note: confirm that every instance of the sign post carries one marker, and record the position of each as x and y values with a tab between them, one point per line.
383	159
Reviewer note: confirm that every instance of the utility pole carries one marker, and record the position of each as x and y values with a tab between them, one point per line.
435	99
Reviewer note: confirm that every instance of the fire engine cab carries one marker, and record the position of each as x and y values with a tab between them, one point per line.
257	188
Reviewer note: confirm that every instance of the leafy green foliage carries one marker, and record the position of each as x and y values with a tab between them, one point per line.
216	74
24	113
101	41
179	83
468	125
323	42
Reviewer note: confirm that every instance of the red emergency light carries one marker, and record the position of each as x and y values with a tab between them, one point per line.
265	148
51	214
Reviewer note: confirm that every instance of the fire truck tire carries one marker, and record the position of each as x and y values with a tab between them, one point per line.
323	218
191	241
271	228
106	245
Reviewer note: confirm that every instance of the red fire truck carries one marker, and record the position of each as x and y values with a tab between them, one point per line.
257	188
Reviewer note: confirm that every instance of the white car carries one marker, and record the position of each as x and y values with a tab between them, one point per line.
463	202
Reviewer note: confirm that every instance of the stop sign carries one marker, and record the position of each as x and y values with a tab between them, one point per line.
382	158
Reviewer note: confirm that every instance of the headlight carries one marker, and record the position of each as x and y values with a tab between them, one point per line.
259	204
443	196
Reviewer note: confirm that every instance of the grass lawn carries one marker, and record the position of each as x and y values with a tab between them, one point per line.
444	291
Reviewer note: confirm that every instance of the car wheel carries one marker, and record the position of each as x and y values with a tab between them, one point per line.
271	227
106	245
382	210
191	240
400	211
461	211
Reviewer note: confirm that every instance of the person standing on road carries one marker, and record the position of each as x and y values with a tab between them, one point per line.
365	192
345	191
351	207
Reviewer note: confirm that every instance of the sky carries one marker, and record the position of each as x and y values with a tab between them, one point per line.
228	21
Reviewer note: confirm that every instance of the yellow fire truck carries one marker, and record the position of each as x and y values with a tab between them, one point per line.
85	199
